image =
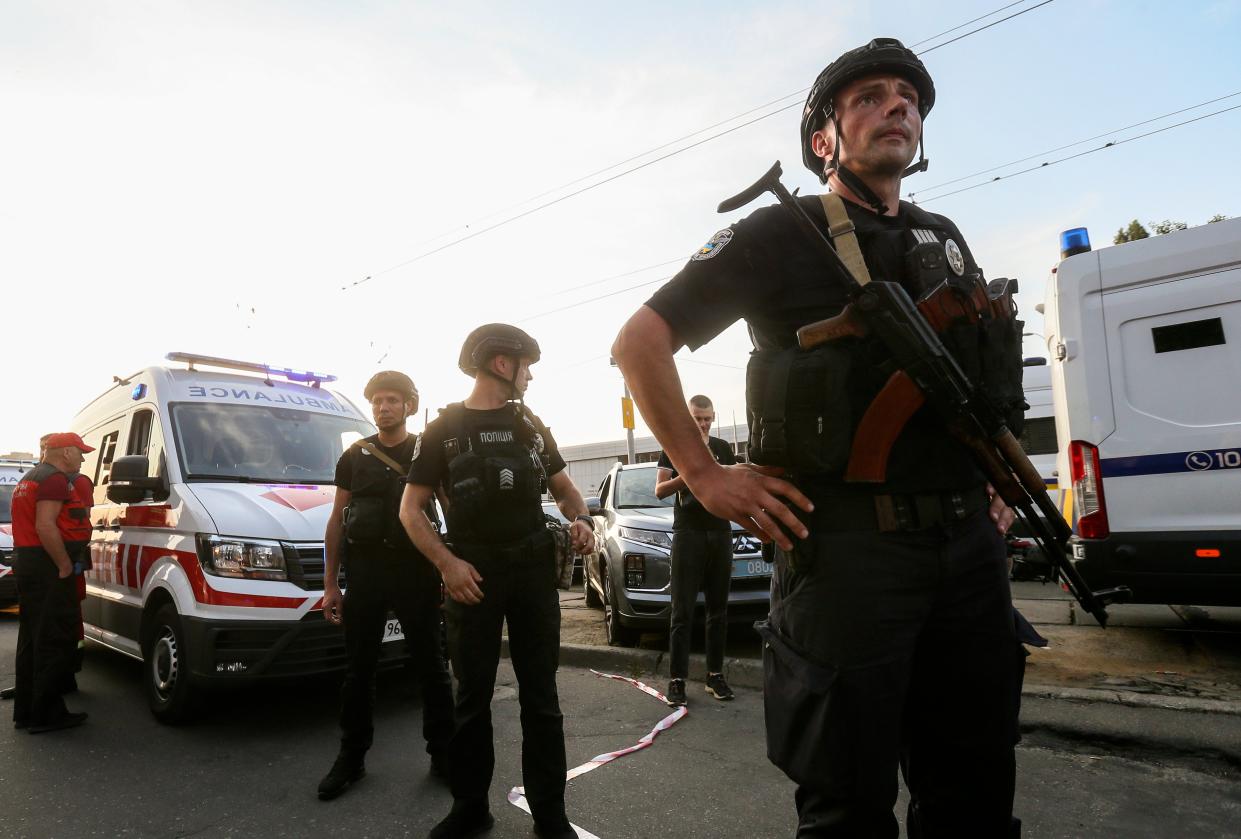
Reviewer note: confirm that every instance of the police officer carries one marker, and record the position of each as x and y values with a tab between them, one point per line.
51	534
492	459
384	572
890	640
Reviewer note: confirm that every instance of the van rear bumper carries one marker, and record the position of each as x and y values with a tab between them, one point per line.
240	651
1165	567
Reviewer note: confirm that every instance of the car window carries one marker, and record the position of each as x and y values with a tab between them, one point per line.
636	488
6	502
550	509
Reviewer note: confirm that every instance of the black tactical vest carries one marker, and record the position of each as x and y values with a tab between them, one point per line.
497	475
806	405
373	516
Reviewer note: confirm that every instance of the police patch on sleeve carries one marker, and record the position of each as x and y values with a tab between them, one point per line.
714	245
956	260
417	448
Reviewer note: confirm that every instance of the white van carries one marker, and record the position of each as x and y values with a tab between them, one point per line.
1145	342
11	472
1038	440
212	492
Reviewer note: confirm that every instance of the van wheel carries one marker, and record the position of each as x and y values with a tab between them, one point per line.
165	671
618	634
593	600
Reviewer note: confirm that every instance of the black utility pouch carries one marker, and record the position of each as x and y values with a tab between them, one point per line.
800	414
365	520
1000	350
797	697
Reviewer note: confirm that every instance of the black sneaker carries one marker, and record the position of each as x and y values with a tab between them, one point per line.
554	829
464	821
676	693
345	771
717	687
68	720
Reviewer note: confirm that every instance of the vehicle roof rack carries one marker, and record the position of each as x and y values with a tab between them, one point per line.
302	376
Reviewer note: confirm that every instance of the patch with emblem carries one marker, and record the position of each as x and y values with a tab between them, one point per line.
714	245
451	448
539	445
417	448
956	260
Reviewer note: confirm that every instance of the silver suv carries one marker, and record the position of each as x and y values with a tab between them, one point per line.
630	577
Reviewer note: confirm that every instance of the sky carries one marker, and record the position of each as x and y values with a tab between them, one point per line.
294	183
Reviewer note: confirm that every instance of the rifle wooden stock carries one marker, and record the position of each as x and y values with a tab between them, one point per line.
844	325
881	425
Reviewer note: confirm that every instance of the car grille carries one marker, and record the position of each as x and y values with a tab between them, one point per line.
305	565
314	646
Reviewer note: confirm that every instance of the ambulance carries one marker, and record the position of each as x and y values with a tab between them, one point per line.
213	486
1145	346
11	472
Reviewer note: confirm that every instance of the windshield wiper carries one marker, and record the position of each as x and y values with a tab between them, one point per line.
206	476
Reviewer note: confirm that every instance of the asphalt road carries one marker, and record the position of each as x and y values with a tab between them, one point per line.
250	767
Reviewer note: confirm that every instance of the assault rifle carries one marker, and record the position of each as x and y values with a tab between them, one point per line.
927	374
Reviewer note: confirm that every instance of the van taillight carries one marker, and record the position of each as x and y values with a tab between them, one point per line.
1088	500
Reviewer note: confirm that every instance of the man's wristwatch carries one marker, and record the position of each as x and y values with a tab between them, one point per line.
590	522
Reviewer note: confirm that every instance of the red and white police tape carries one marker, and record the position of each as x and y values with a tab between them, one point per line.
517	795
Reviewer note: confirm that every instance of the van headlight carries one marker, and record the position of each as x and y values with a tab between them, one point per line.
252	559
658	538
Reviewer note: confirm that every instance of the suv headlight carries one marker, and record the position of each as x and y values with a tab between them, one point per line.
658	538
252	559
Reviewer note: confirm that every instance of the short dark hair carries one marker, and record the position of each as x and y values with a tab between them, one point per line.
700	401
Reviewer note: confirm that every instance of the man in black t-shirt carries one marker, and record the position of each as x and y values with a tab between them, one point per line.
385	572
702	558
890	642
491	459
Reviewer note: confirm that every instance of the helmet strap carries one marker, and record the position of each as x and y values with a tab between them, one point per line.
922	165
851	180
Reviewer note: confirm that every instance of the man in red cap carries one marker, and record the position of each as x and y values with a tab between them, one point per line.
51	531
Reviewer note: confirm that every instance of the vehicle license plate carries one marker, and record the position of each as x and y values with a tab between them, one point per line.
393	631
751	568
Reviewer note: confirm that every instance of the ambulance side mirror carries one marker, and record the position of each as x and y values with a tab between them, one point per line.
131	481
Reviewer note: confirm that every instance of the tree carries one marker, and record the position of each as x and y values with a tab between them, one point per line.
1132	233
1217	217
1167	226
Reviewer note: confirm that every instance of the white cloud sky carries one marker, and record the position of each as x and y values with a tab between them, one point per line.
171	166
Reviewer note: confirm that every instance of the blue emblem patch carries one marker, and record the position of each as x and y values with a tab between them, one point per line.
714	245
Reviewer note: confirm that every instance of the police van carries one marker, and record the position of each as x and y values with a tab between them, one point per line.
11	472
1145	342
212	492
1038	440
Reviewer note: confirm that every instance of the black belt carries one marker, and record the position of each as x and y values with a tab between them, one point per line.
899	512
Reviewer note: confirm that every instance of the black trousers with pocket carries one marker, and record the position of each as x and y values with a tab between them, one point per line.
47	636
887	650
380	580
519	587
702	560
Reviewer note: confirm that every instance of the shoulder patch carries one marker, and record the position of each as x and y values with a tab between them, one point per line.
417	448
714	245
956	259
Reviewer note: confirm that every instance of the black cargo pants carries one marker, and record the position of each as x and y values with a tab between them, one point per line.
895	649
519	586
702	560
380	580
47	637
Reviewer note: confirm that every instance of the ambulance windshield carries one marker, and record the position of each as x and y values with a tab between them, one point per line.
248	443
6	502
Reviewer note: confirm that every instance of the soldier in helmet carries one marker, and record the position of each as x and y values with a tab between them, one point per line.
890	641
384	572
492	459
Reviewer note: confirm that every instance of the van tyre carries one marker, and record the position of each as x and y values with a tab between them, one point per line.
165	668
618	634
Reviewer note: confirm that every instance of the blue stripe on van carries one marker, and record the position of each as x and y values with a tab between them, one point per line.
1210	460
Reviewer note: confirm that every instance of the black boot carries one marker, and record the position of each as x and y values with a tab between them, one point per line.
349	767
554	828
465	821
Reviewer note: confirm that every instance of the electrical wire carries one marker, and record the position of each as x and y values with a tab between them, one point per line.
1107	145
659	159
1071	145
967	23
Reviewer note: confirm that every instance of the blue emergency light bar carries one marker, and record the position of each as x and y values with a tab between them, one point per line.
1074	241
303	376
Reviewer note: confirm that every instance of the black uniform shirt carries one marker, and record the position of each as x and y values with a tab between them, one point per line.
765	270
430	461
402	453
689	513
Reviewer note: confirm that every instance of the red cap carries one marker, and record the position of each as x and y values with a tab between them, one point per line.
66	439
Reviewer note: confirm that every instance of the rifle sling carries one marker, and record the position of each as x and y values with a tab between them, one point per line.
841	229
383	458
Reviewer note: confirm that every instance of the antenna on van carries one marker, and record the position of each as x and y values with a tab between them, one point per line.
306	377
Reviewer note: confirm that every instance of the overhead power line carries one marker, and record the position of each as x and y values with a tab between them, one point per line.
1108	145
661	158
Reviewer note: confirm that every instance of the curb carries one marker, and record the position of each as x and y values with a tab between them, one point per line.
748	673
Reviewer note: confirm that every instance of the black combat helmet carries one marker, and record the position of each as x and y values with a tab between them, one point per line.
393	380
881	55
493	339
